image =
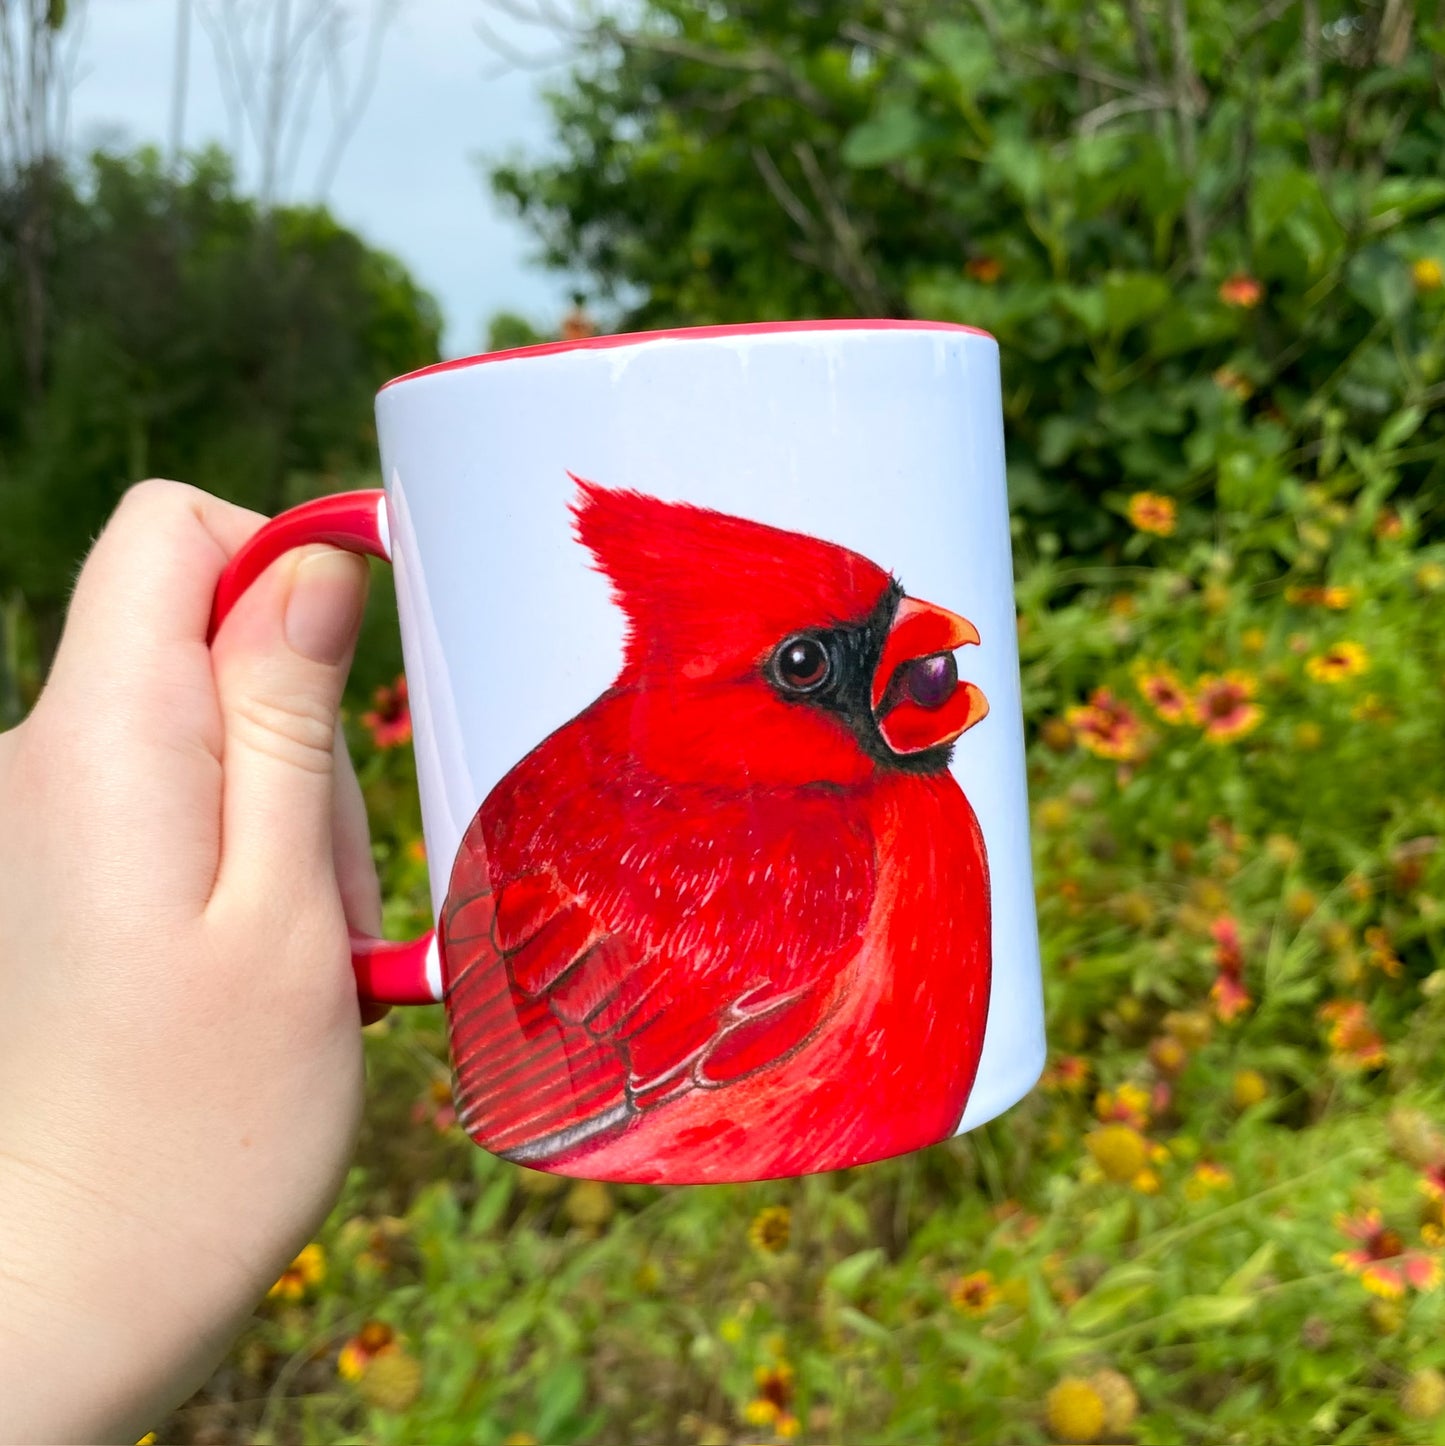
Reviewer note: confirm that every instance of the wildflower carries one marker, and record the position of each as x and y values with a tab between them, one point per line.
1236	384
1381	1261
1334	596
359	1352
1335	664
1055	813
771	1229
1161	688
1354	1042
1151	512
1205	1178
1241	290
772	1404
1427	274
1120	1151
1128	1105
589	1204
1430	576
1247	1088
1121	1402
1252	640
1381	952
1432	1179
1168	1055
1191	1027
416	850
1222	706
1068	1073
1300	904
1389	525
1230	997
1415	1138
1359	887
1107	727
390	717
975	1294
1057	736
392	1381
308	1269
985	269
435	1107
1308	735
1422	1397
1074	1411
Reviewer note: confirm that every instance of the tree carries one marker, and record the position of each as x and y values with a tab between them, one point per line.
193	336
1193	228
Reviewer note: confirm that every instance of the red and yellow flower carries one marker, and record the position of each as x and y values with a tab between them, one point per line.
1337	663
1222	706
389	720
1108	727
1334	596
772	1405
1380	1259
374	1338
1152	512
306	1271
984	269
1354	1041
1164	691
1241	290
975	1294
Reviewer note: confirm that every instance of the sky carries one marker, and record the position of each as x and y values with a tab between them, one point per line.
411	181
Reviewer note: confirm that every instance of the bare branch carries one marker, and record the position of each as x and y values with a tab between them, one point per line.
1186	84
1095	120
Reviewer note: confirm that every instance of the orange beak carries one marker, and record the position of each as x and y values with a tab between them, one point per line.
918	699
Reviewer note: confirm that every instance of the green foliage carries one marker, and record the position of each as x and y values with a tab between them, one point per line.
944	1295
187	334
1079	181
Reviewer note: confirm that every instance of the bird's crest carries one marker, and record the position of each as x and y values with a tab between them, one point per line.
703	590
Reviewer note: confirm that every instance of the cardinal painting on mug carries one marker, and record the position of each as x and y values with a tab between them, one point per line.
736	911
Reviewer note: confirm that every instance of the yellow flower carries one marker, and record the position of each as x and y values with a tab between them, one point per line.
1119	1151
589	1204
1252	640
771	1229
392	1382
149	1439
1248	1088
1430	576
1151	512
1422	1397
1427	274
1308	735
1335	664
308	1269
1054	813
1205	1178
1121	1402
975	1294
1074	1411
1147	1182
1129	1104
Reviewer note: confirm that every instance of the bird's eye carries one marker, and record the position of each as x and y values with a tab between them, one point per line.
801	665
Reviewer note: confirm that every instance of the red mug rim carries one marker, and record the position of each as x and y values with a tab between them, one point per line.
683	333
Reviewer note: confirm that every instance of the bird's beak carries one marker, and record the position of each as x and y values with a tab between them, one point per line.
919	701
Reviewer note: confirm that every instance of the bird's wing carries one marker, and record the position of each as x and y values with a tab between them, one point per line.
621	948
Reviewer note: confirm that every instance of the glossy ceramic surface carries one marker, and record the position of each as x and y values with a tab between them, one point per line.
711	649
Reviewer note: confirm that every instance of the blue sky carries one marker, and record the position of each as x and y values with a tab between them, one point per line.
410	182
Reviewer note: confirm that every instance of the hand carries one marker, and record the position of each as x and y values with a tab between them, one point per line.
182	849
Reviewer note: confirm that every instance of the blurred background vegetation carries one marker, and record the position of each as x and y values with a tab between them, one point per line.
1209	236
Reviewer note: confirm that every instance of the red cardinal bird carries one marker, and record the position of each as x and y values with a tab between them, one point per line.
732	921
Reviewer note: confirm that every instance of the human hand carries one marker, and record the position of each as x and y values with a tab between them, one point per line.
182	850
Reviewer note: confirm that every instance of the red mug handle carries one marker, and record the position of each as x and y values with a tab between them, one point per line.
386	972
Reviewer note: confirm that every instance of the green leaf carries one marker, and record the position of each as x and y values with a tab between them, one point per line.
1399	428
1243	1281
1112	1296
849	1274
893	131
559	1393
1208	1312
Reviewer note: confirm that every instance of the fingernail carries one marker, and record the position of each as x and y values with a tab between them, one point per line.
323	613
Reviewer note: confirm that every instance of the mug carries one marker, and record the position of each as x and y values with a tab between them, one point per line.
710	647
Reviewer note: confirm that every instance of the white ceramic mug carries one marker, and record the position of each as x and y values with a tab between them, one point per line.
711	652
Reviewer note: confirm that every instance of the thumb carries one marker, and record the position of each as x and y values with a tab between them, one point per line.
280	665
